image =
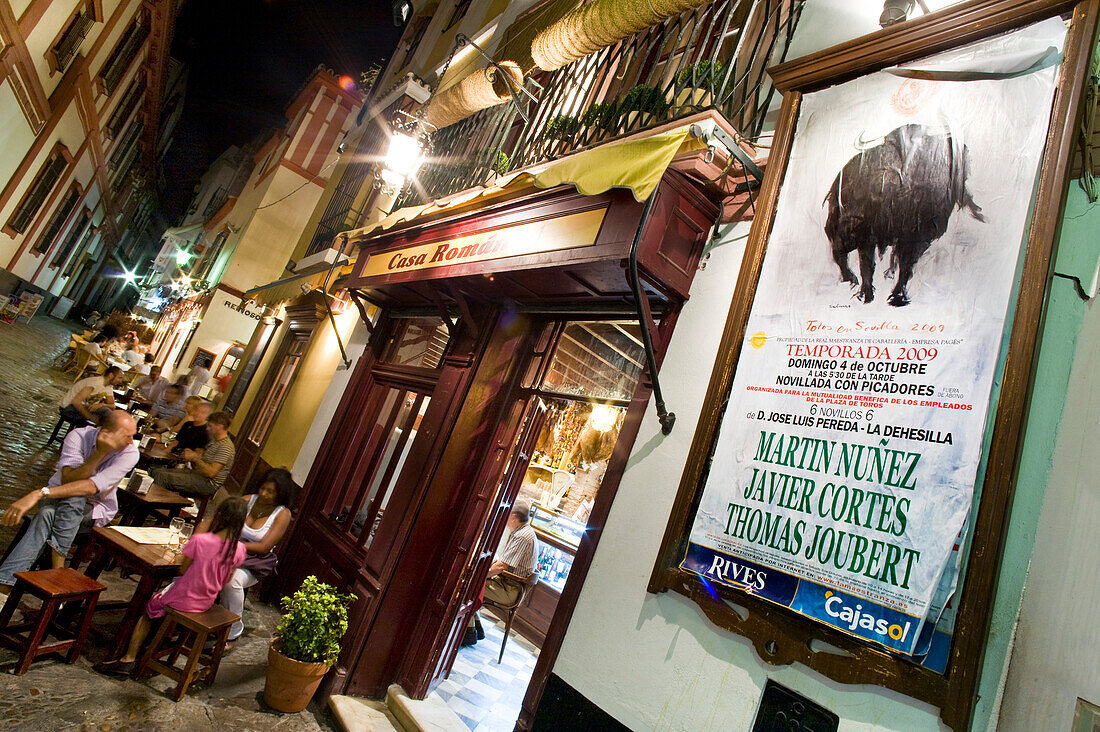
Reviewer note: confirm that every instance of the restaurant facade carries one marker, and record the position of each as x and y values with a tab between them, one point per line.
584	334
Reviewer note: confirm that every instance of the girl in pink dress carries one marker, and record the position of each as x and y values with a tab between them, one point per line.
209	559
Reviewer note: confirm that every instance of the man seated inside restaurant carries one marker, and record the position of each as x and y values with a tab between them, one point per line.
131	355
145	366
79	495
517	559
209	466
90	398
98	345
169	409
148	389
192	433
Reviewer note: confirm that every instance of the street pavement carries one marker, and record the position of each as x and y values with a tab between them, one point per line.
55	696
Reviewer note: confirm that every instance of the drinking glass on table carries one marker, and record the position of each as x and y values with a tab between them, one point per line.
185	532
176	529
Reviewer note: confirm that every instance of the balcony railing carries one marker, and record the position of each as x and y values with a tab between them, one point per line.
714	57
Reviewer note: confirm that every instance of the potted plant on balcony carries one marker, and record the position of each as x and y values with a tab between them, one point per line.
563	128
698	81
306	644
641	105
602	120
501	162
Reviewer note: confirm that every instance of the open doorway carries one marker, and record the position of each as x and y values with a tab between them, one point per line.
578	401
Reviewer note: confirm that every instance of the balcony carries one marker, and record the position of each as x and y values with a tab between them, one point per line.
714	57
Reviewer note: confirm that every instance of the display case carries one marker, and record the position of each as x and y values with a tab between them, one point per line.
564	529
553	566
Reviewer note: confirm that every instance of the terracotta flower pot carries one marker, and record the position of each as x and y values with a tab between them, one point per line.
290	684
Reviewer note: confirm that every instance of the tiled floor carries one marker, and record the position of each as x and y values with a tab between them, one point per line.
487	695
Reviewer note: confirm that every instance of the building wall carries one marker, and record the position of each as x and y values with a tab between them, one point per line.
69	107
222	326
655	662
301	404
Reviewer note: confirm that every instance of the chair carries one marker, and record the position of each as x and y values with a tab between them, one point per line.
62	419
194	626
53	587
79	362
528	583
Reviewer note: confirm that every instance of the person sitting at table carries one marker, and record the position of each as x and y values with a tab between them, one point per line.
148	389
210	465
169	409
89	398
131	355
189	405
192	433
181	383
518	558
80	493
267	521
97	346
145	366
209	558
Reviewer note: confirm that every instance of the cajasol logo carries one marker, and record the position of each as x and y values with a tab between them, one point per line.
861	621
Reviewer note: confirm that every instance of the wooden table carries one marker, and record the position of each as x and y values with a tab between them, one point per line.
154	563
156	454
135	507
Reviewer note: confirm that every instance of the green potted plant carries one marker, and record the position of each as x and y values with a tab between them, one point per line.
306	644
643	102
698	81
501	162
562	127
602	119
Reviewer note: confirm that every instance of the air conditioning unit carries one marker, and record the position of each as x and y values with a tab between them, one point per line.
320	261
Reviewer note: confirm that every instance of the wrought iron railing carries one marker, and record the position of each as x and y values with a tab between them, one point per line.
714	57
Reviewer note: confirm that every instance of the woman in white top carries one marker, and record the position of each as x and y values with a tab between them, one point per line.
265	524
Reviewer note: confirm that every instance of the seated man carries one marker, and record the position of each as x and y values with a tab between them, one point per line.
89	398
80	494
518	558
131	355
145	366
169	409
192	434
149	388
210	466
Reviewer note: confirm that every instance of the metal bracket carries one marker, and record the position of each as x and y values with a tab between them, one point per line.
462	39
730	144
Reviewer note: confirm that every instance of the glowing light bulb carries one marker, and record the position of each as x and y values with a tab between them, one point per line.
603	417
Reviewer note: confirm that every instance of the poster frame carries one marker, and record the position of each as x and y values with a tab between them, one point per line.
781	637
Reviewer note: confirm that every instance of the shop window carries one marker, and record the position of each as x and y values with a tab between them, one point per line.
600	360
393	433
283	379
40	189
57	222
418	342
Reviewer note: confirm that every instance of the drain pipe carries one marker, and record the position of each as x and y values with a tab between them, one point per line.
665	417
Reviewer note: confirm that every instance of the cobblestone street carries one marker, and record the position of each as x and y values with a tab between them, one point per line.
55	696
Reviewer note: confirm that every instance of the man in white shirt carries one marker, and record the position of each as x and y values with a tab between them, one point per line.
150	387
508	574
197	378
88	398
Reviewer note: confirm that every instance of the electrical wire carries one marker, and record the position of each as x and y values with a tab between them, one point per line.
304	184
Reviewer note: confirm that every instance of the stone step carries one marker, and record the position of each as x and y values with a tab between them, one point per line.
353	714
422	715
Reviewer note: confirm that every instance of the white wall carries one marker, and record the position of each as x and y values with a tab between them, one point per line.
331	400
221	327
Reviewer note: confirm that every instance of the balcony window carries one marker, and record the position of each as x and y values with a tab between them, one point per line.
75	232
129	142
57	222
125	108
122	57
459	12
67	44
40	189
84	247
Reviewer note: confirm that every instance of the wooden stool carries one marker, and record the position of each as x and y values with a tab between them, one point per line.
199	665
53	587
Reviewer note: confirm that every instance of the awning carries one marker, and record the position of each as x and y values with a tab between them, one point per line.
637	164
274	293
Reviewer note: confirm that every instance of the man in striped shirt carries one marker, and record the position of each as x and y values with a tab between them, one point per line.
518	559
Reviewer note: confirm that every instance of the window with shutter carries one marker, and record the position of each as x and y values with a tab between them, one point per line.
123	55
69	243
40	189
57	223
67	44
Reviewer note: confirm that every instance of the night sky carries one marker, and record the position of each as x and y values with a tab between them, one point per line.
246	58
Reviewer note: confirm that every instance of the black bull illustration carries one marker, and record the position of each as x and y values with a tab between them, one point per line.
901	194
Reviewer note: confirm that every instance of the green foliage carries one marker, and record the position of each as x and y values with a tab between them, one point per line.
646	99
501	162
602	116
562	127
315	619
703	75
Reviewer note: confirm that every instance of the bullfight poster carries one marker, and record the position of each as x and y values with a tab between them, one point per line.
844	471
